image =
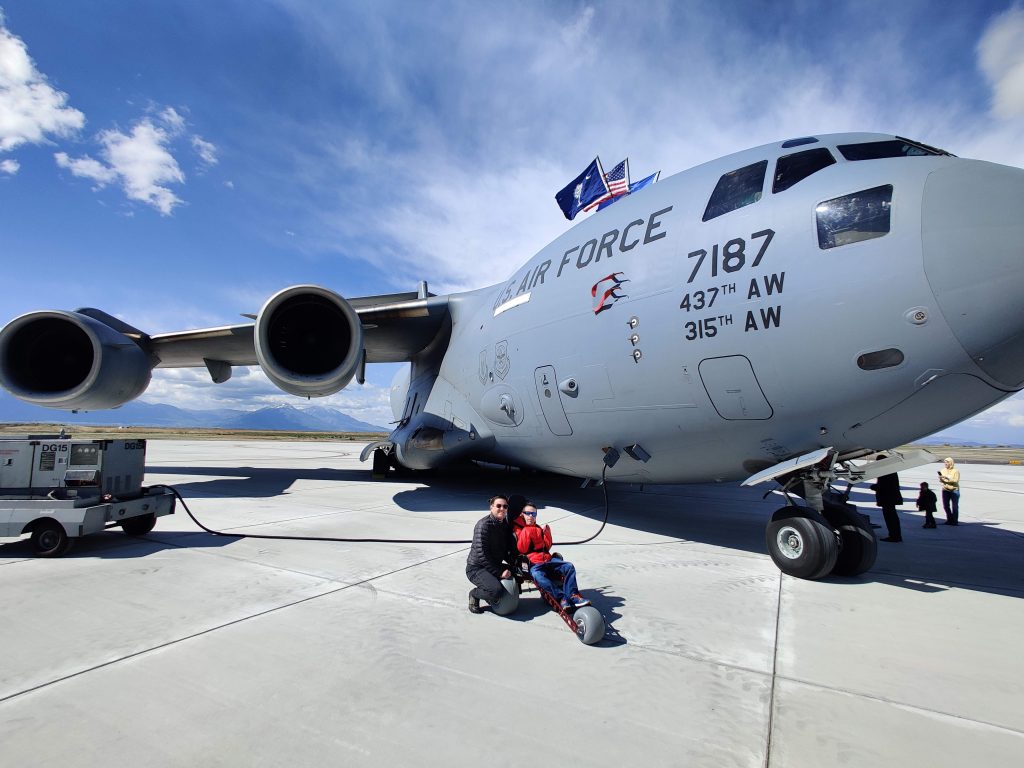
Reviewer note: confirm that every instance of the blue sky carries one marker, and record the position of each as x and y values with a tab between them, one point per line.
175	163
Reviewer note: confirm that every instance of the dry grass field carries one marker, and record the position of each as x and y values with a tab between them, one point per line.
967	454
181	433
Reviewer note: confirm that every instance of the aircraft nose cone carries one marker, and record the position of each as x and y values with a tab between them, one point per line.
972	228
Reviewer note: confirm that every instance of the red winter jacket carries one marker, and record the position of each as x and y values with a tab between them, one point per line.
534	542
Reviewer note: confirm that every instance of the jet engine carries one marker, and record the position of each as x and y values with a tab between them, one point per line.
71	361
309	341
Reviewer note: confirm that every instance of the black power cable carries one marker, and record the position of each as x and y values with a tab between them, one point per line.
368	540
604	487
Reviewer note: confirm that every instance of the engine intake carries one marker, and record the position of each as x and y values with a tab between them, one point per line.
71	361
309	340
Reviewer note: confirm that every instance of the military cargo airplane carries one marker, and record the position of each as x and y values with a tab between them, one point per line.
777	313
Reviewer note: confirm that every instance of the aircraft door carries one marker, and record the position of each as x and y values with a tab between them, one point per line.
732	386
551	400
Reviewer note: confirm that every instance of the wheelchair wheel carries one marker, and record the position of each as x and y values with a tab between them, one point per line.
589	624
509	599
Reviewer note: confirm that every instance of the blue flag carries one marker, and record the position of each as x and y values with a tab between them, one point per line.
584	192
644	182
634	187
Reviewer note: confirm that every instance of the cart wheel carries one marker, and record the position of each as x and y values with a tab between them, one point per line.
509	599
50	539
139	526
589	624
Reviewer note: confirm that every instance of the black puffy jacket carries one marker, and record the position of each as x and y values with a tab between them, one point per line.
493	546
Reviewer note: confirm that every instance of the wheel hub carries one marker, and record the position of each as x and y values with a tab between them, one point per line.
790	542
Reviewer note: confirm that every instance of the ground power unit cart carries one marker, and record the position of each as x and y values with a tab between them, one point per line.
57	489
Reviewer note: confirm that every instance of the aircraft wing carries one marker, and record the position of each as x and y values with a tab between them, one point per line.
308	340
395	328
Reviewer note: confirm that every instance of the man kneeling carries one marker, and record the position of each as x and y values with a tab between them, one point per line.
535	542
491	555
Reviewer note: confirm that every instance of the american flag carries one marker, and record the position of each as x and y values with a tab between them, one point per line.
618	178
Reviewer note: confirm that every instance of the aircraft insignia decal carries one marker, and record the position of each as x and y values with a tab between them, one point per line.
609	293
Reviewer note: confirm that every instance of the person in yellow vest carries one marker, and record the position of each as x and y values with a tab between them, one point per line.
949	476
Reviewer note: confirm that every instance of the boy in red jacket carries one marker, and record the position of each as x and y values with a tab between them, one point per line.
535	542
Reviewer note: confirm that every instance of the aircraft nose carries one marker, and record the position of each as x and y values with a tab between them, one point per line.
972	227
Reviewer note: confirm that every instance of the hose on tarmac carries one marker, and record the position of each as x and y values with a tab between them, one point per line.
349	539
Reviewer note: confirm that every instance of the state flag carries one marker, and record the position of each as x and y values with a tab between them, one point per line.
584	192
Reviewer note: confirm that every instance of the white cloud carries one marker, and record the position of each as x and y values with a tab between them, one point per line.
140	161
145	164
30	108
207	152
174	122
1001	56
9	166
1008	413
249	389
86	168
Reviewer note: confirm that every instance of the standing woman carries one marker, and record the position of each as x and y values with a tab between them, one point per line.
949	476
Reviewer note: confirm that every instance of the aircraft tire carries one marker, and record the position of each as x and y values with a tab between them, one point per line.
801	543
859	544
589	624
50	539
509	599
140	525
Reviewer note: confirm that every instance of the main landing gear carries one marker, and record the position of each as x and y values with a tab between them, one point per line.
828	537
812	545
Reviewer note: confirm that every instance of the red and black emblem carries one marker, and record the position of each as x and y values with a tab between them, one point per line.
610	291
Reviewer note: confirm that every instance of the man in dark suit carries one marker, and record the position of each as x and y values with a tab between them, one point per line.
888	497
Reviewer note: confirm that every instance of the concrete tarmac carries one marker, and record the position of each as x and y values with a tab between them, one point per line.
182	648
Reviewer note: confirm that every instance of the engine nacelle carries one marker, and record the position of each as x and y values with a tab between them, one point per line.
71	361
309	340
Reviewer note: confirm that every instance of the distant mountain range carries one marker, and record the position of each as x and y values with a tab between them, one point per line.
943	440
287	418
138	414
1008	438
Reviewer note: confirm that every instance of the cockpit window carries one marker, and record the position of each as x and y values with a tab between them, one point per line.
852	218
797	167
798	142
736	189
876	150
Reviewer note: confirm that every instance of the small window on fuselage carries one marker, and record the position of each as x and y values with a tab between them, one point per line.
878	150
736	189
798	166
883	358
